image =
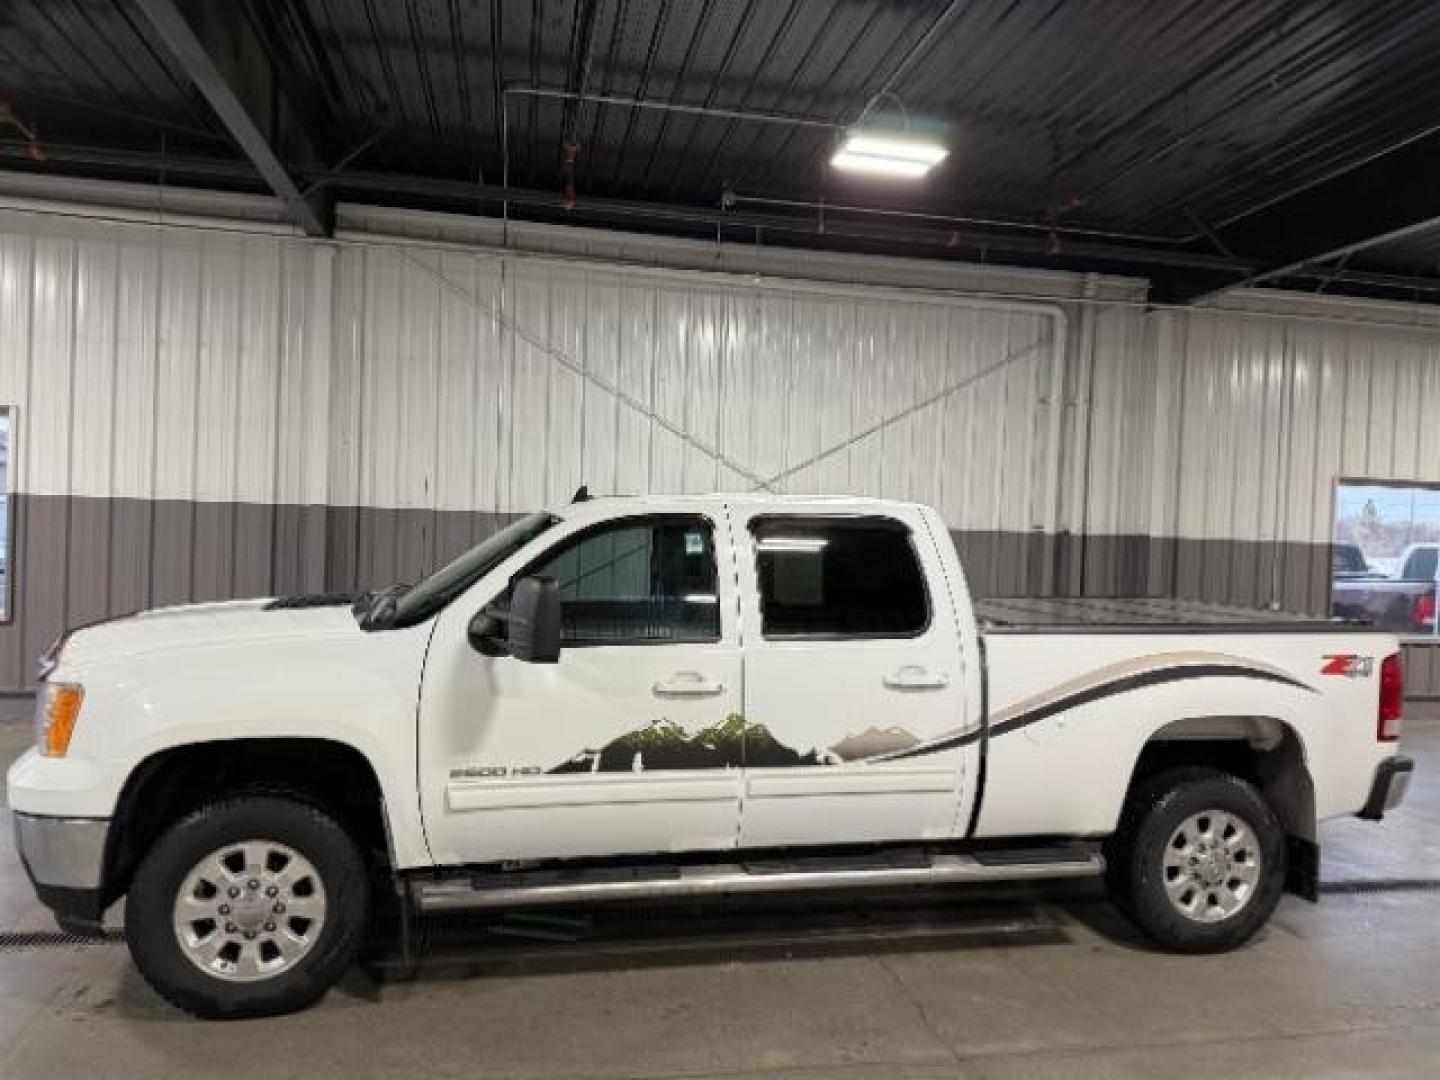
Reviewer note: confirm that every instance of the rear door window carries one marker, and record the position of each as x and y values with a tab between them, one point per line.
838	577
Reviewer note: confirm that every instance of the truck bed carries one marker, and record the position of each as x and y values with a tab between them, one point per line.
1142	615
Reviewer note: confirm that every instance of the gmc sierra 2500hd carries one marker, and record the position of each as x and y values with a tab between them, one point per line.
643	697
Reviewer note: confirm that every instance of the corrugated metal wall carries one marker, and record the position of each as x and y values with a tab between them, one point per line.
163	364
467	381
1225	433
163	382
204	414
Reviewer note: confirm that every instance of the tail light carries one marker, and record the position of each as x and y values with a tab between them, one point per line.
1390	717
1423	614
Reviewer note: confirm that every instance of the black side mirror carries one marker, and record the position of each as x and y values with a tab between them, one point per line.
532	623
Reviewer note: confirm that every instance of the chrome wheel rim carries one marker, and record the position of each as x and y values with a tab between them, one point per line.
249	911
1212	866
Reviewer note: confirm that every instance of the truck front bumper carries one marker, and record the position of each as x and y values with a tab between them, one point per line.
65	858
1392	780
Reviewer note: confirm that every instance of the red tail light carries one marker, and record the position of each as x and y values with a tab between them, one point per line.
1391	715
1423	615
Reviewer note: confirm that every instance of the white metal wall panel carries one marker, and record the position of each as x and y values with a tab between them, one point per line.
1117	392
1252	421
633	382
271	370
191	368
157	364
305	348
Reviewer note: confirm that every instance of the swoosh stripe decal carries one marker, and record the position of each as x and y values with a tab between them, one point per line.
1139	681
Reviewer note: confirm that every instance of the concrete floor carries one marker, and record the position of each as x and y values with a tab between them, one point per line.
1034	983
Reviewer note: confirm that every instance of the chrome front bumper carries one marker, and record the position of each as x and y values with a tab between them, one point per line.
62	853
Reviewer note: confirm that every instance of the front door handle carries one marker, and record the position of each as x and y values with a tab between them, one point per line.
687	684
914	677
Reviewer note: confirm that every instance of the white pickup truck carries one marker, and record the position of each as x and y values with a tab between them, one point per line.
631	697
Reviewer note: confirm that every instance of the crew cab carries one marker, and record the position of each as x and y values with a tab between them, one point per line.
651	697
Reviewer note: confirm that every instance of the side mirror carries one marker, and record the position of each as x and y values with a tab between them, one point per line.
532	623
535	620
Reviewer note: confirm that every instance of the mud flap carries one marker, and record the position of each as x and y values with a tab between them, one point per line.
1302	868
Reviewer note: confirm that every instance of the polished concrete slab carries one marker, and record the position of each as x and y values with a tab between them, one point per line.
912	986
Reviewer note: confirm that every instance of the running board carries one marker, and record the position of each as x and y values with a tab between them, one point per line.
535	887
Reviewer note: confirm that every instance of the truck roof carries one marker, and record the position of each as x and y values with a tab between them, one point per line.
1143	615
602	505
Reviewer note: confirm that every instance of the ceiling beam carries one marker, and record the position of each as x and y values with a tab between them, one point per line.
1386	198
182	41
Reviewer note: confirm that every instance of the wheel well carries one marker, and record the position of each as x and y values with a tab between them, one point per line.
172	783
1265	751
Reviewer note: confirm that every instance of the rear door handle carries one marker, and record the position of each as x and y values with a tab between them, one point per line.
687	684
914	677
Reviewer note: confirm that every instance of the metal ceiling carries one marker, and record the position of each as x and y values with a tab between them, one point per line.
1159	138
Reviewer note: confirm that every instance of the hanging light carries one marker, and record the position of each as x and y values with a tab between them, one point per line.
897	156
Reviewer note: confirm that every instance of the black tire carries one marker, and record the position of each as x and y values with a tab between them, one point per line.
300	826
1135	858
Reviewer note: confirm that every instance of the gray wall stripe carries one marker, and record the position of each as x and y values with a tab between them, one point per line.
78	559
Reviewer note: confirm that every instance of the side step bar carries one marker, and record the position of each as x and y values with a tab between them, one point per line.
527	888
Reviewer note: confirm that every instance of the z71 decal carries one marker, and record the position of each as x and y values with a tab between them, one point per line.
1356	667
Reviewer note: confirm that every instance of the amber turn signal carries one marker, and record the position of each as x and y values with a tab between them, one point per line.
59	709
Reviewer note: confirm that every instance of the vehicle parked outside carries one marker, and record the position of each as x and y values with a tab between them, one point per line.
1404	604
1347	562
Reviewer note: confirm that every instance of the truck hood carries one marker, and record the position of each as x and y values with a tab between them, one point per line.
201	626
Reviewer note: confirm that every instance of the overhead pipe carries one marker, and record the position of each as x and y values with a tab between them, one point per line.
395	184
470	193
824	207
627	102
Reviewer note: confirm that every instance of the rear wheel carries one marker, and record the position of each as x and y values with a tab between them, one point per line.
251	906
1198	861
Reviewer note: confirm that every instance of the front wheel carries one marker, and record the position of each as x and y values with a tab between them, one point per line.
253	905
1198	861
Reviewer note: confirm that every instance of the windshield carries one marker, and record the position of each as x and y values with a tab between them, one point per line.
423	600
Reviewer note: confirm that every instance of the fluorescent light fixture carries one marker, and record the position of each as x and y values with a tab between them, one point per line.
888	155
794	543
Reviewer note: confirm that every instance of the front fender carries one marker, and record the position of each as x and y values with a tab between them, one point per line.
361	691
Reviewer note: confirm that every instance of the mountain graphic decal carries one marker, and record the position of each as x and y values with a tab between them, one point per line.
731	744
874	741
664	744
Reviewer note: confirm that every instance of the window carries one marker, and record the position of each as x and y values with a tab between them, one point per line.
846	577
648	580
6	563
1386	554
1420	565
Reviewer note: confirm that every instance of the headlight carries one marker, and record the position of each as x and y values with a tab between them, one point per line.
56	710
